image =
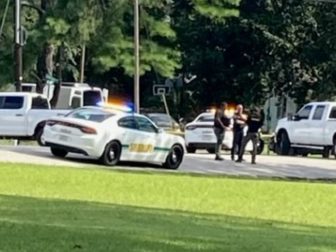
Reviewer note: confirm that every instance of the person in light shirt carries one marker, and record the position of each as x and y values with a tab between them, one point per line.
221	124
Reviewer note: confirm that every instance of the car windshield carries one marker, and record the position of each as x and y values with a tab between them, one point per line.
206	118
161	120
90	114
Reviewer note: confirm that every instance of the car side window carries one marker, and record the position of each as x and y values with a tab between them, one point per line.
11	102
318	112
127	122
333	113
305	112
145	125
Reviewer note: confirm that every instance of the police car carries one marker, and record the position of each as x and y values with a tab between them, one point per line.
111	136
199	134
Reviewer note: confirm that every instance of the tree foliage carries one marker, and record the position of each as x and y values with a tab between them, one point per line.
240	50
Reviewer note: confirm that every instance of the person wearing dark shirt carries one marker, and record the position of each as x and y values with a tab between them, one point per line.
254	122
238	130
221	124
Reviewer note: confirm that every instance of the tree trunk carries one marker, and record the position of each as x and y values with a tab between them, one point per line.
45	63
59	67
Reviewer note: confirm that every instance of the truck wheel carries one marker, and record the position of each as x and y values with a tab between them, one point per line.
174	158
39	138
334	148
111	154
283	144
191	149
58	152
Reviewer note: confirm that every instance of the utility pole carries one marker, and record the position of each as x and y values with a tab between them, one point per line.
136	58
18	45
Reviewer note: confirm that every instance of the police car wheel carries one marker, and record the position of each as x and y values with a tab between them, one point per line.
111	154
174	158
58	152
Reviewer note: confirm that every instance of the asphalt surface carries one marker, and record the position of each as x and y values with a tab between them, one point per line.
201	163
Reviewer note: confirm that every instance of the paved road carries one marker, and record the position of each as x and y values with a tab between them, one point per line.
267	166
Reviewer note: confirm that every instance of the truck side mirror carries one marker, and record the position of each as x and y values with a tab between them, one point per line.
296	118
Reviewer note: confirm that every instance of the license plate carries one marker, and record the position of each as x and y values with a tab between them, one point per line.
63	138
65	131
206	137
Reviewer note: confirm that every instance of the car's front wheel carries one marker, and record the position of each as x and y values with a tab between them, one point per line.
57	152
174	158
283	147
111	154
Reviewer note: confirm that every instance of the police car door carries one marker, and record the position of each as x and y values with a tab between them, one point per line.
143	144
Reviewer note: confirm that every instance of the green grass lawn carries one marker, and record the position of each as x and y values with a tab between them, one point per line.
67	209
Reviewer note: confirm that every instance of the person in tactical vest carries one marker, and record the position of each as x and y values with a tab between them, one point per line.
254	122
238	130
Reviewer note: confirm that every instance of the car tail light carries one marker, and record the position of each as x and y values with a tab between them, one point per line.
87	130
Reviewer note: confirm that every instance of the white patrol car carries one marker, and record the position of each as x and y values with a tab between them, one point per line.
113	136
199	134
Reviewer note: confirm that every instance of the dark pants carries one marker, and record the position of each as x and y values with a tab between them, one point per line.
220	133
254	137
237	142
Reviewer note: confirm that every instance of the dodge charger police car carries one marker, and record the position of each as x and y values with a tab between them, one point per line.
112	136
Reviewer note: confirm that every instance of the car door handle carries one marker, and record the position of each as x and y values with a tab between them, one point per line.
18	114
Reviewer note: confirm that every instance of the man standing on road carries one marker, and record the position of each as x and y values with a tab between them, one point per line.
254	122
238	130
221	124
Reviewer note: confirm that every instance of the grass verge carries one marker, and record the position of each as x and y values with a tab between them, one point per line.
62	209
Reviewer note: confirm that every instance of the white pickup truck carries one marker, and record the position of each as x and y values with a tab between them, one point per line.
311	130
23	115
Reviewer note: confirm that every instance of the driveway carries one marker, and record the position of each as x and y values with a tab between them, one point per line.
201	163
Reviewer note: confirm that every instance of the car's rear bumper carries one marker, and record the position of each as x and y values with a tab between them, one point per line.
67	148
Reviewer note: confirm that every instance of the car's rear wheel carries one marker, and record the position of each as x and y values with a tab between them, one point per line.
326	152
57	152
111	154
191	149
174	158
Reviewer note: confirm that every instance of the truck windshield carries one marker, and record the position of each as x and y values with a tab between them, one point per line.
92	98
